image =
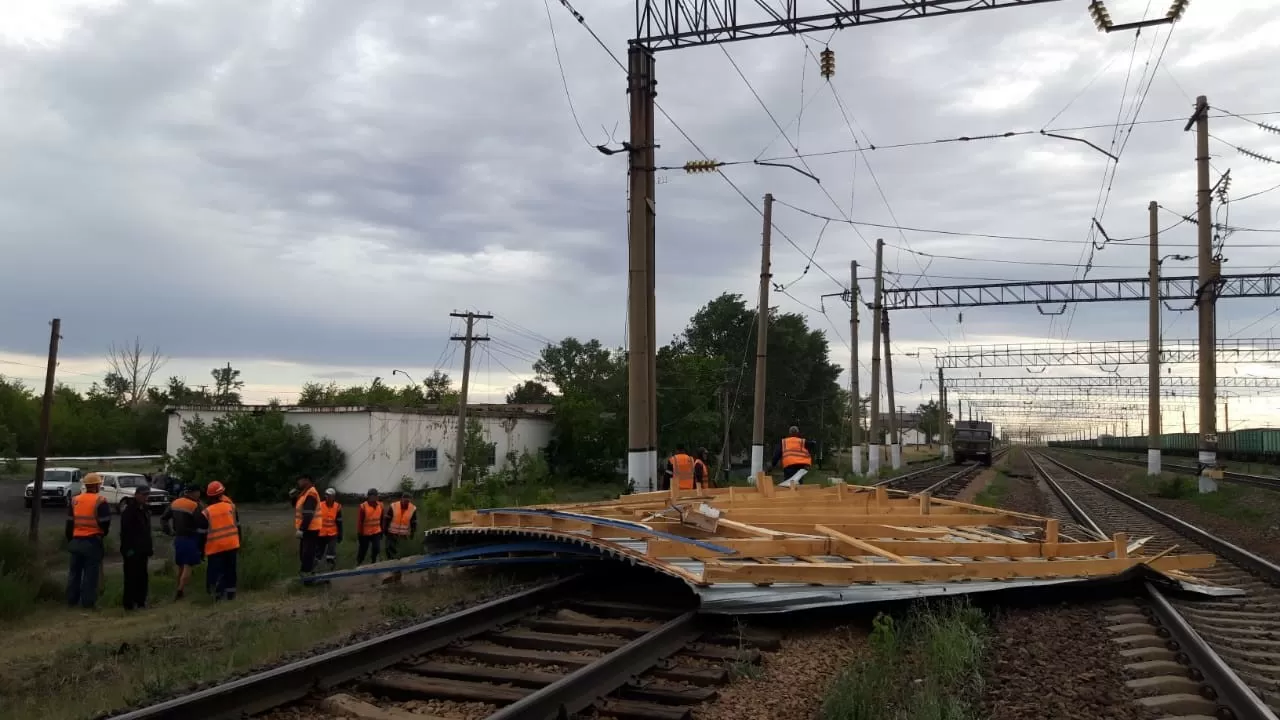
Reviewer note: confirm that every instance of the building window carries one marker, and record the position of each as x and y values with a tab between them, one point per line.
425	460
491	458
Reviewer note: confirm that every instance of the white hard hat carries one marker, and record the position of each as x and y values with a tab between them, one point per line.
330	491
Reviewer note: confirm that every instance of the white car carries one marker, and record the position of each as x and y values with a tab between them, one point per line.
59	486
116	486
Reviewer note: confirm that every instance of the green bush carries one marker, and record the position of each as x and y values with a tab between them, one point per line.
23	582
265	559
1176	487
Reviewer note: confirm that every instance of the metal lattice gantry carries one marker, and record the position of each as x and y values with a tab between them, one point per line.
1109	352
1034	383
674	24
1055	292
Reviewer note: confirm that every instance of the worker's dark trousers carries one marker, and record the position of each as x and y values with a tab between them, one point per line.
327	550
393	545
136	578
371	544
222	573
790	470
82	575
307	550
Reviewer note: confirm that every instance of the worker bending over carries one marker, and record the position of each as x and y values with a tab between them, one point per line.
88	521
794	453
369	521
307	523
330	528
185	521
683	472
222	542
402	521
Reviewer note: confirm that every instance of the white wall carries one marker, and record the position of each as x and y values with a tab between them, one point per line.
381	446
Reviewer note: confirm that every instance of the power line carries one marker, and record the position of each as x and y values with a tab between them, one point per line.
564	80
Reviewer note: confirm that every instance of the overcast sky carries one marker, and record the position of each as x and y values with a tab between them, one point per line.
308	189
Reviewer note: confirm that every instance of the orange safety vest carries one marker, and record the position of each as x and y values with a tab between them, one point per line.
329	519
400	517
794	453
84	510
297	510
370	519
682	471
223	534
706	474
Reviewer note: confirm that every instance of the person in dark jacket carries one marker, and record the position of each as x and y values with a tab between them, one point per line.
136	547
184	520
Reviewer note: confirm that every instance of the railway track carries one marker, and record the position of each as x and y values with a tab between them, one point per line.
553	651
941	480
1262	481
1191	659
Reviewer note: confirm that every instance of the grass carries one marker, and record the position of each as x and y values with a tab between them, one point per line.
994	494
926	666
81	665
1237	502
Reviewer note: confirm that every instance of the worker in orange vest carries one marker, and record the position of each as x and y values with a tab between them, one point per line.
306	523
702	470
794	453
222	542
369	519
88	521
185	521
402	522
330	528
683	471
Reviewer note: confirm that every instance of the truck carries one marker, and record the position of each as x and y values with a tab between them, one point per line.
973	441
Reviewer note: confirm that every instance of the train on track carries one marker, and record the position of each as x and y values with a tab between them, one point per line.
1261	445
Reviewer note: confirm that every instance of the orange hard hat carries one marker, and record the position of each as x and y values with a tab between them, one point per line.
215	489
92	478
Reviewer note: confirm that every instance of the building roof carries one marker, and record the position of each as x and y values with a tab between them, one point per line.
473	409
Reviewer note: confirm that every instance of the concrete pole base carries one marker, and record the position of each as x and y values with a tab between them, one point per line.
757	462
1153	462
895	456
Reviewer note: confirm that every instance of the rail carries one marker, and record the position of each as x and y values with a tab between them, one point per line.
1231	689
1262	481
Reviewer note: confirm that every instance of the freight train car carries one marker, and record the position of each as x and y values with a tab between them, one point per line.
1260	445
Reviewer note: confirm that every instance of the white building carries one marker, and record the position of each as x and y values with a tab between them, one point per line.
384	445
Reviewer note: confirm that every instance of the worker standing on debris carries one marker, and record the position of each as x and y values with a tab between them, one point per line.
794	453
701	470
683	471
330	529
137	548
307	522
402	522
88	521
369	527
222	543
186	523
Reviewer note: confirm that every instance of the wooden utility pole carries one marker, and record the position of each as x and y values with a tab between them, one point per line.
873	447
762	343
468	341
1153	347
641	391
1206	302
855	451
895	440
46	412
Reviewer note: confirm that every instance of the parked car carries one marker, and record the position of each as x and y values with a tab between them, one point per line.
116	486
59	486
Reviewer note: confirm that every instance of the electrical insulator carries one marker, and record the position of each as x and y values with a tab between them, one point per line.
1177	8
1101	17
827	63
701	166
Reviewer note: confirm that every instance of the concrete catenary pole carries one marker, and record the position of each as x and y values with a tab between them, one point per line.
46	414
1207	301
762	343
468	341
855	401
1153	348
640	87
895	440
942	415
874	452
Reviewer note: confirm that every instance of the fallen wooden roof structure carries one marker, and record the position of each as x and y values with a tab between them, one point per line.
767	549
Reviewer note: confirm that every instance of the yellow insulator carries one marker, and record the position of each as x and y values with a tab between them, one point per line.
1177	8
827	63
1101	17
701	166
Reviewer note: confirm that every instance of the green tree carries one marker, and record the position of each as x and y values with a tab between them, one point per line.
226	385
590	411
529	392
438	388
929	423
257	455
